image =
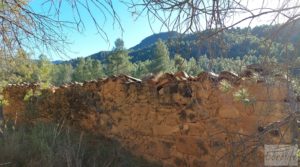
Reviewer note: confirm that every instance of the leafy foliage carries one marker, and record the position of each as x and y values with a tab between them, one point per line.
62	74
225	86
242	95
43	71
236	42
87	69
188	52
3	101
161	60
180	63
119	62
141	68
32	93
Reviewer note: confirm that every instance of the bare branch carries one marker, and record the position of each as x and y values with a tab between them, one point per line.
24	27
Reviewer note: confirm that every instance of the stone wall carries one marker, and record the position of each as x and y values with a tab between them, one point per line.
176	119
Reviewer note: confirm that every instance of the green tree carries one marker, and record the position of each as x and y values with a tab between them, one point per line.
119	61
79	72
141	68
22	68
62	74
119	44
180	63
88	69
203	62
15	69
43	72
193	67
97	70
161	59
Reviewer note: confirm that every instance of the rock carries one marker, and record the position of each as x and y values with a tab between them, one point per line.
229	76
181	75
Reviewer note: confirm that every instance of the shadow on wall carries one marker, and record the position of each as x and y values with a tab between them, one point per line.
179	120
46	144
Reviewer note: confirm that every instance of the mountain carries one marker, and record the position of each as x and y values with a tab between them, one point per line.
148	41
235	42
57	61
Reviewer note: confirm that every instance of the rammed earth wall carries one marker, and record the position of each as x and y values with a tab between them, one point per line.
176	119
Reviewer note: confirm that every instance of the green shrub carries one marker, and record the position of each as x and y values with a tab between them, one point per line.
3	101
225	86
242	95
32	93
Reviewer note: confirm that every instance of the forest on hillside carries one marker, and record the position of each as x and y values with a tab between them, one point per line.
237	49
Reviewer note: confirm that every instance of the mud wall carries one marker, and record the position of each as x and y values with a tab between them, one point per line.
176	119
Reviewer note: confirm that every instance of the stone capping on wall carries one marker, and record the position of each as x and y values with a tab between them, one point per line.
177	119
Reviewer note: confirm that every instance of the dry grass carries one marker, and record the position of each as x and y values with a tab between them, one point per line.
47	145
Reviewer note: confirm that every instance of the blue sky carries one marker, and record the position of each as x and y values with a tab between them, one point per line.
89	42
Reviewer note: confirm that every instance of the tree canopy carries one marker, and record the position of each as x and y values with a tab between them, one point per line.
161	60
